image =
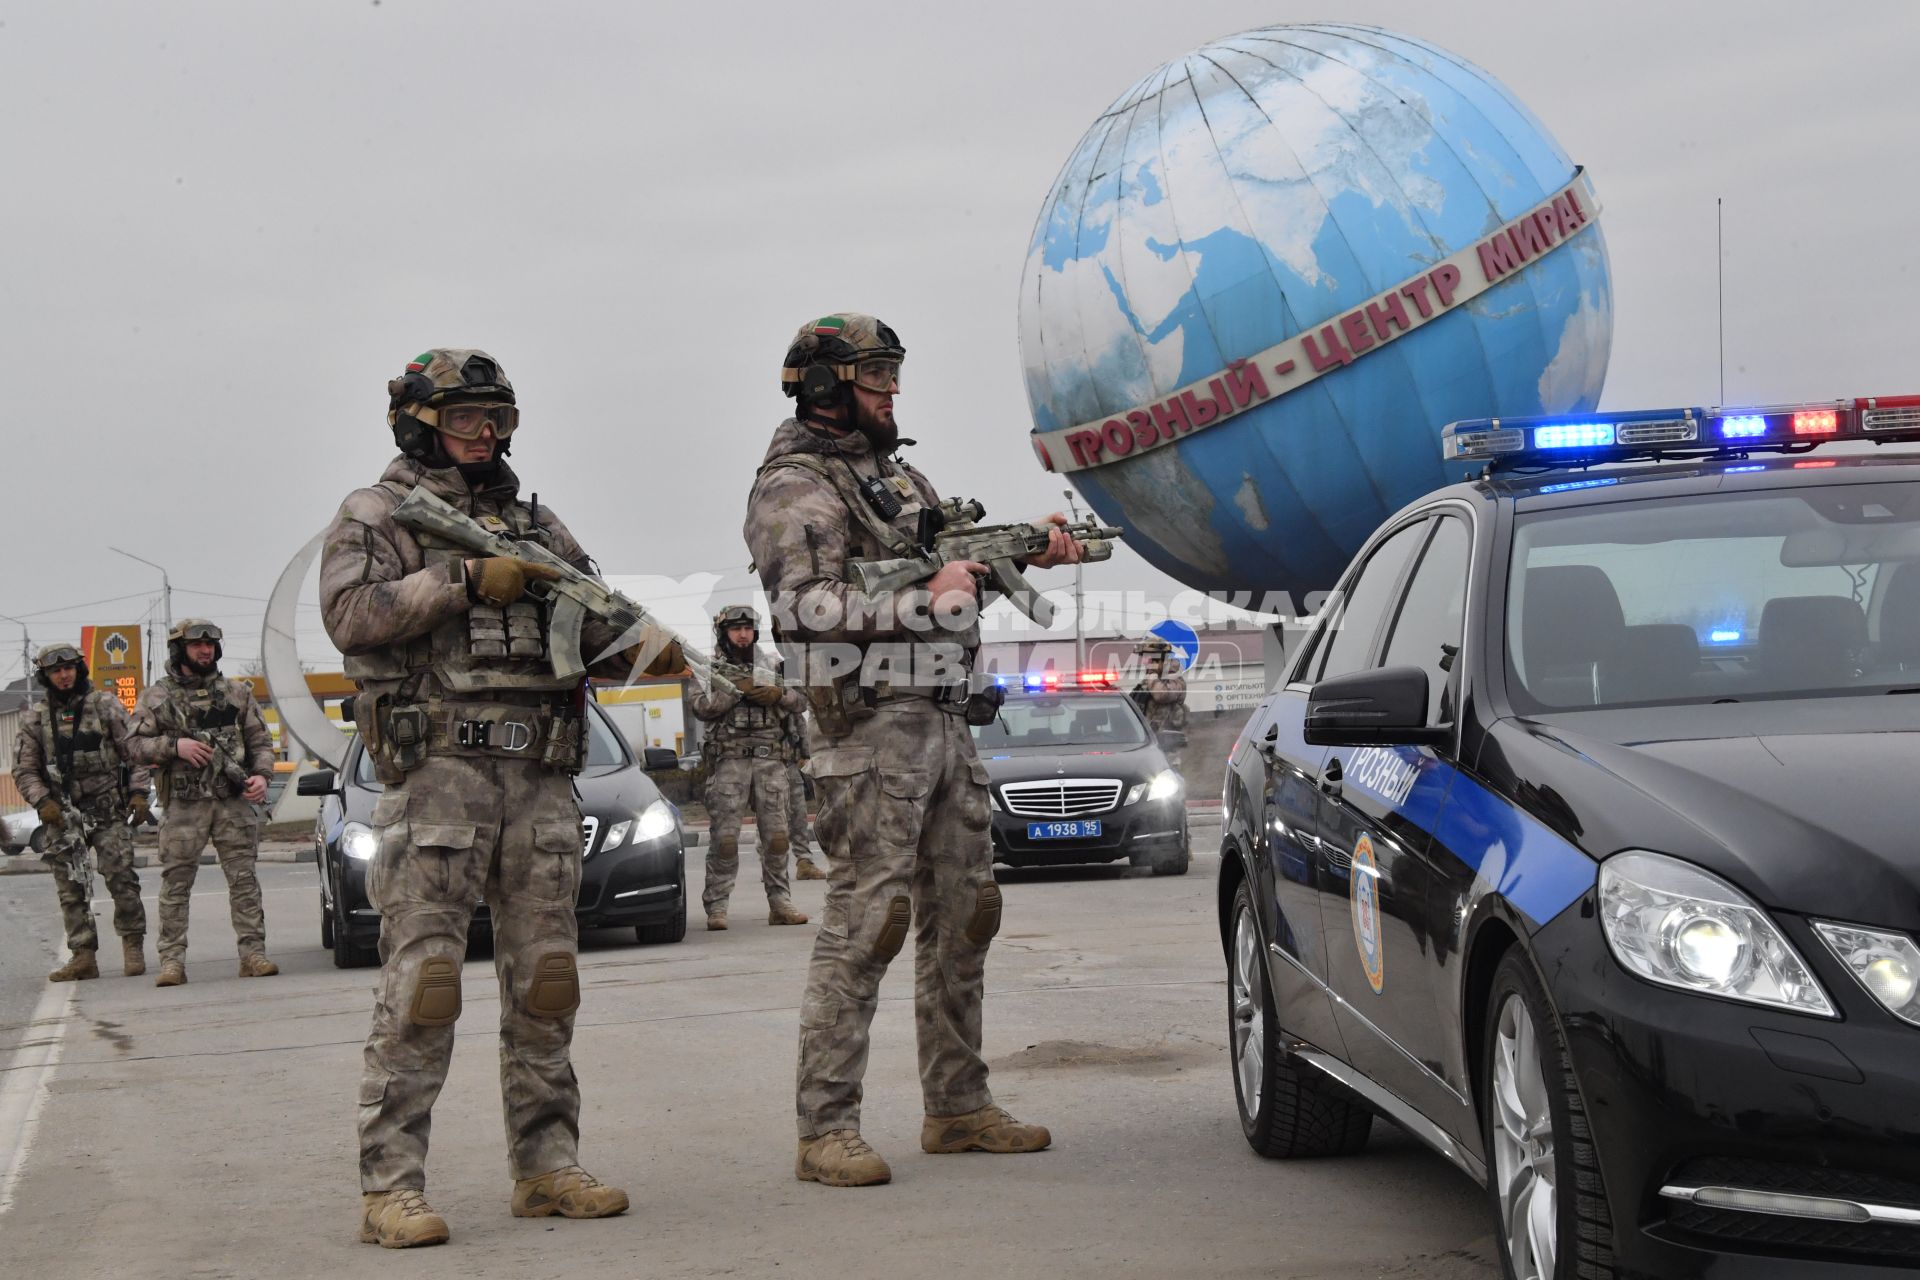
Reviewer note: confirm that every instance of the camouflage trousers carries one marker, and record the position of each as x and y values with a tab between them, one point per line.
112	845
902	814
460	829
798	837
732	784
234	828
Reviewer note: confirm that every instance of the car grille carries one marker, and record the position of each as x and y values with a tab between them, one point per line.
1066	798
589	831
1765	1230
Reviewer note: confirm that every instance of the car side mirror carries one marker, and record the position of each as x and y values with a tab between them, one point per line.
1379	708
662	758
321	782
346	711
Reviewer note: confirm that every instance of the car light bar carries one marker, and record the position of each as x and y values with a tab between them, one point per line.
1563	439
1051	681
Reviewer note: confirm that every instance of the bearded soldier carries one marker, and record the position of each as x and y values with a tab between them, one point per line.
747	751
1161	693
211	754
902	795
72	758
477	741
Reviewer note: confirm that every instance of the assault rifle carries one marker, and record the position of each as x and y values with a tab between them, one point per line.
571	598
70	843
953	531
222	763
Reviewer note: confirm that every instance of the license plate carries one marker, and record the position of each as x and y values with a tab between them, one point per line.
1079	829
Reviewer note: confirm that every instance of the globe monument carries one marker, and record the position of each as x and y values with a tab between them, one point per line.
1271	272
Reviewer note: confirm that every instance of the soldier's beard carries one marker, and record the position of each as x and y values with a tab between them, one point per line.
739	657
199	668
883	436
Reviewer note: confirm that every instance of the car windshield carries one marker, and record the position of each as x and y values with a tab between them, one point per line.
604	751
1808	592
1080	720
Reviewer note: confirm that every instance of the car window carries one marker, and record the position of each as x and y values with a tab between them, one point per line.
1350	640
1432	615
1101	722
1770	593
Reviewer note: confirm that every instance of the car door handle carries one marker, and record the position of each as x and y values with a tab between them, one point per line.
1330	779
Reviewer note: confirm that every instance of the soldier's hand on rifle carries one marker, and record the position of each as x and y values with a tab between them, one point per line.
256	789
138	810
762	695
193	751
50	814
500	580
1061	549
657	662
961	577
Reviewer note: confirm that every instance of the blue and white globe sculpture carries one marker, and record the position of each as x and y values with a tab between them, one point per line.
1274	269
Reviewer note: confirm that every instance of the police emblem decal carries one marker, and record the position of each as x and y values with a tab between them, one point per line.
1364	880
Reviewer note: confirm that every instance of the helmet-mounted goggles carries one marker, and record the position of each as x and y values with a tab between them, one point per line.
875	375
466	421
200	631
59	655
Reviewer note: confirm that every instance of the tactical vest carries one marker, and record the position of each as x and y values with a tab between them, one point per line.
78	754
207	708
750	730
480	651
844	702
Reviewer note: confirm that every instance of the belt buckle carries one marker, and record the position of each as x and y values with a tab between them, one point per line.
472	733
519	735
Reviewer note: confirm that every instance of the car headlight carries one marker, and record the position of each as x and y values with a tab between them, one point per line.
1887	964
1674	924
1164	785
655	821
616	834
358	841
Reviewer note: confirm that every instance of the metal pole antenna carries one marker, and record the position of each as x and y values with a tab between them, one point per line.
1079	631
26	657
166	586
1720	259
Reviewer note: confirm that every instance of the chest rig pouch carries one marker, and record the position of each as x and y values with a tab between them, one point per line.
80	757
205	710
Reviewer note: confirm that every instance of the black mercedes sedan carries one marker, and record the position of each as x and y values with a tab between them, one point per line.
1579	842
1075	775
634	874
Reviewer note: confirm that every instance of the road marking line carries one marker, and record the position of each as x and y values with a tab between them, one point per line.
29	1080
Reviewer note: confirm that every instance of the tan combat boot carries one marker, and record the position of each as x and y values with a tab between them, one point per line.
571	1192
988	1129
172	973
256	965
78	968
133	958
717	919
806	869
782	911
840	1158
400	1220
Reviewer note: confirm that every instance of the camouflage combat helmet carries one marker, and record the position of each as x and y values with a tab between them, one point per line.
56	655
192	629
830	354
444	376
734	615
1154	645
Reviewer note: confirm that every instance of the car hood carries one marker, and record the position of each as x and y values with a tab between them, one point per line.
1030	764
1805	804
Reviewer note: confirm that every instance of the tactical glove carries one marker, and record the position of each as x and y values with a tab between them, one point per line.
500	580
138	810
665	663
763	695
51	814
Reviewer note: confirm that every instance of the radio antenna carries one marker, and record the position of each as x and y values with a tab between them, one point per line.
1720	260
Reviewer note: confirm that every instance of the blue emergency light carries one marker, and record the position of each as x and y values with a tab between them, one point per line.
1563	440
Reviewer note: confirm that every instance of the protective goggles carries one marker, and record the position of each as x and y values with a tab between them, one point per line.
64	656
874	375
201	631
465	421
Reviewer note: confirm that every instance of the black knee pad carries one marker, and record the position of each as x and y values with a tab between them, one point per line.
555	992
436	993
893	934
986	915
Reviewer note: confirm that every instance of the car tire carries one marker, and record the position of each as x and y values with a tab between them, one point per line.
672	929
1293	1112
1175	863
1532	1116
345	954
326	924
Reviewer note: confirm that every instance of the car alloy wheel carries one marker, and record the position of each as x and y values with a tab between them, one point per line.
1247	993
1523	1153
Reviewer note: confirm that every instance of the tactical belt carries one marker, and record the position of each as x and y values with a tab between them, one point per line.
756	753
954	694
516	733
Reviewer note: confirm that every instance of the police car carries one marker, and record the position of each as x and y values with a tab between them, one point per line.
1581	842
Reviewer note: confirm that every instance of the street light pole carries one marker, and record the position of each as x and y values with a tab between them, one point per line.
1079	634
166	587
26	656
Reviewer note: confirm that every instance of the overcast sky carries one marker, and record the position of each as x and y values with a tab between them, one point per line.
226	225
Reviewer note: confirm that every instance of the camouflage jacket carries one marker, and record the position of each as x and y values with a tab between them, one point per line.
221	709
379	595
1164	701
739	726
92	733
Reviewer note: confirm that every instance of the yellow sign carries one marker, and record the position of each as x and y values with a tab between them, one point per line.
113	660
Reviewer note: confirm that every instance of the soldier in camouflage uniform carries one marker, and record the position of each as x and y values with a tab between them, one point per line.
477	741
902	796
747	751
1161	694
204	738
799	834
74	747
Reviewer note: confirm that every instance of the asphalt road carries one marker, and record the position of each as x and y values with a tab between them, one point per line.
208	1130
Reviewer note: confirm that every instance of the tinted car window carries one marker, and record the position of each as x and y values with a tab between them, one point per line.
1081	720
1433	614
1348	644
